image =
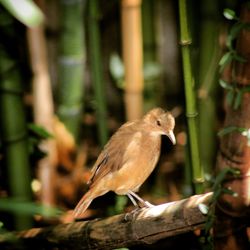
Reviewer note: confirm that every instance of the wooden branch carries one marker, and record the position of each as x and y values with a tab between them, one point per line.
146	226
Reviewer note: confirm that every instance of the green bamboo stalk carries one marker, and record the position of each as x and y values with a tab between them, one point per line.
97	71
191	111
148	31
13	130
71	65
151	66
208	67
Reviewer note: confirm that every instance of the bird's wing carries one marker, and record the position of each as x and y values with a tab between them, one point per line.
112	157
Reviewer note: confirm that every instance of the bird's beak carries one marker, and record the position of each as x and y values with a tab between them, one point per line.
171	136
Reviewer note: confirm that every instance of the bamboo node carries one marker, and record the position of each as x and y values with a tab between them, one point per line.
199	180
15	138
191	115
185	42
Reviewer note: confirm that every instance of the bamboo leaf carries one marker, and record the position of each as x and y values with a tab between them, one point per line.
18	206
40	131
25	11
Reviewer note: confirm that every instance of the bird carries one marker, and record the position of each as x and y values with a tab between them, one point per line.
128	158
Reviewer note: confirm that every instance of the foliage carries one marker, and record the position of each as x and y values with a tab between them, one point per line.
25	11
218	190
36	134
234	92
18	206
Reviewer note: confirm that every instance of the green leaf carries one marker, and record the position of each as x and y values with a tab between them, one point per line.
238	100
229	14
233	33
230	97
209	224
239	58
227	130
230	192
116	68
25	11
216	194
220	177
39	131
225	85
231	129
18	206
203	208
226	58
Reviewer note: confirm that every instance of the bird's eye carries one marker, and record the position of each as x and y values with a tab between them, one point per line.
158	123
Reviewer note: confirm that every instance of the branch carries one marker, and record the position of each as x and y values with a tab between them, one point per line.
145	227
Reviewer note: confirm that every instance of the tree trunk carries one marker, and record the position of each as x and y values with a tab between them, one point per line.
230	228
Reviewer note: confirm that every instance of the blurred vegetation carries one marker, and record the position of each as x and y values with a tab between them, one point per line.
84	46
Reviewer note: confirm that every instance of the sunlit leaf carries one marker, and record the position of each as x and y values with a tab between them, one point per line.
203	208
40	131
25	11
229	14
226	58
225	85
246	133
116	68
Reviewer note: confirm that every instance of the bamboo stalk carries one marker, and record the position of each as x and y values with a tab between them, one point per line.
148	33
72	58
97	71
13	127
208	75
43	109
191	111
133	57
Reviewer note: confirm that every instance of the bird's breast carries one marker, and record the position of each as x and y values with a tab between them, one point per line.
142	156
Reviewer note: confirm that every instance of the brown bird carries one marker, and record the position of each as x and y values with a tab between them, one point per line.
128	158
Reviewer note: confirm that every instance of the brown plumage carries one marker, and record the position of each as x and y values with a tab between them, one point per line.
128	158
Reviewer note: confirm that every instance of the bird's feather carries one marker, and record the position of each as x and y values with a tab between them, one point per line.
112	157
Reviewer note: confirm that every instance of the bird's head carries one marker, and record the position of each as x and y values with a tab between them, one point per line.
160	122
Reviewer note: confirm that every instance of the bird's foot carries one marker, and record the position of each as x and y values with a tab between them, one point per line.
131	215
146	204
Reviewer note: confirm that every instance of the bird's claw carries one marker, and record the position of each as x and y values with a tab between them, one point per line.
147	204
131	215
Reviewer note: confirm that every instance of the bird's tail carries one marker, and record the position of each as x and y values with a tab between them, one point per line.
83	204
